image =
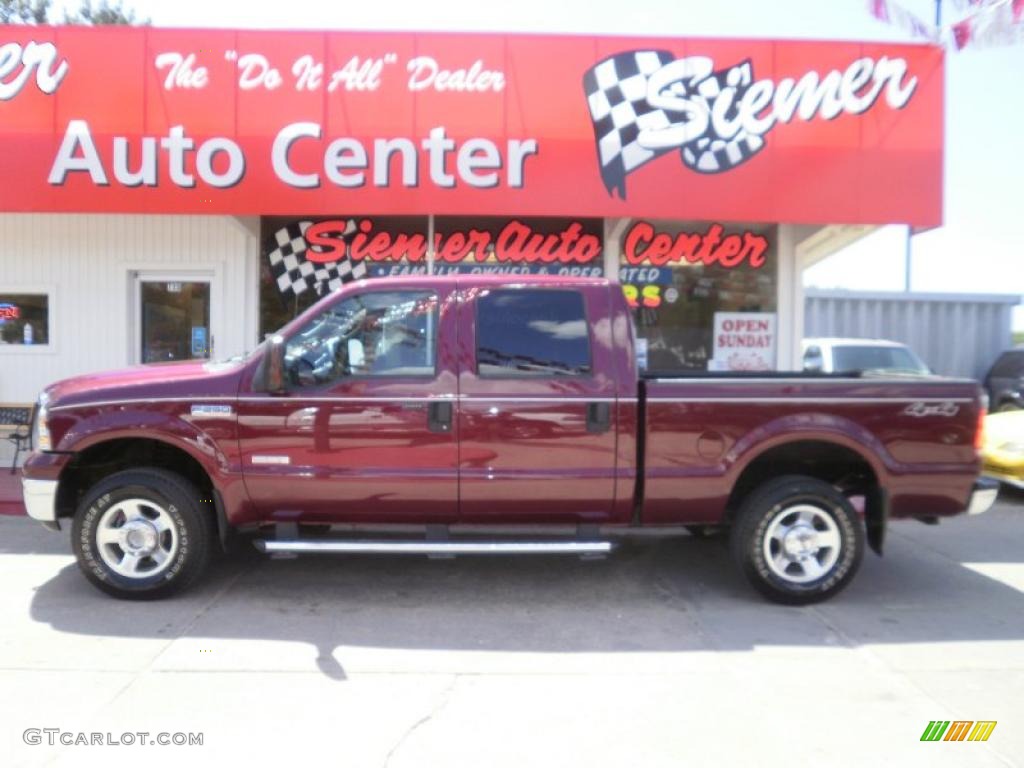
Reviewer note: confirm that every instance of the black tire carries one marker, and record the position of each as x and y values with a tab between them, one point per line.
191	527
765	507
1008	407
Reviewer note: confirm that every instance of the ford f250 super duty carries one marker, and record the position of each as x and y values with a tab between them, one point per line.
464	415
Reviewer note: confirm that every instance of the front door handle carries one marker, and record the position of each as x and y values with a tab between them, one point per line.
599	417
439	416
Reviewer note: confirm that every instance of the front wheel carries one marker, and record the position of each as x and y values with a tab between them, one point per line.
142	534
797	540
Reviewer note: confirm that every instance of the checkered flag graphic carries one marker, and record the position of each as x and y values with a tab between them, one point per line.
295	274
616	91
617	96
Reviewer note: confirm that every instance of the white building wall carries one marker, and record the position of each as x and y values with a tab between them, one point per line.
86	262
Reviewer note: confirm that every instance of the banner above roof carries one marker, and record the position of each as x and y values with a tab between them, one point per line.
149	120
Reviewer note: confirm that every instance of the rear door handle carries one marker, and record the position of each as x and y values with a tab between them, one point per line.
599	417
439	416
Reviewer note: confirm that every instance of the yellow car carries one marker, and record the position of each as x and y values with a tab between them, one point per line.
1003	449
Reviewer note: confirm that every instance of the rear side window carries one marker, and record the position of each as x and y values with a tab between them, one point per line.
1010	365
532	333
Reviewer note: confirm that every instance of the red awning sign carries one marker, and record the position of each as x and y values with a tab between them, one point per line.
312	123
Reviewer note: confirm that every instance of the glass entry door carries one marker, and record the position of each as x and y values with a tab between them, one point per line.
173	318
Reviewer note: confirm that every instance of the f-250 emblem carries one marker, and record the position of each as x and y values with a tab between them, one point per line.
921	409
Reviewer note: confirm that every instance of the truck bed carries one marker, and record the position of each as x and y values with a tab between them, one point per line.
708	435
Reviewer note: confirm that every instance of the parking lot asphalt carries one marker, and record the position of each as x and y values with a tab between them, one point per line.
657	656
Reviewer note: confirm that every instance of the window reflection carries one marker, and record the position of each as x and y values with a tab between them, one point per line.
374	334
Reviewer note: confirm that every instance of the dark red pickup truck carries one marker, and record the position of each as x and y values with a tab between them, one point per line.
465	415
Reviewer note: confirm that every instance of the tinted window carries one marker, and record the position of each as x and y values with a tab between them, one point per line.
376	334
532	333
1010	365
867	358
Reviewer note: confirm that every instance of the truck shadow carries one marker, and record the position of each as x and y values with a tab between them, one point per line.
675	595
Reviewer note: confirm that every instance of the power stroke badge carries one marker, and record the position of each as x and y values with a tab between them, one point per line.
646	103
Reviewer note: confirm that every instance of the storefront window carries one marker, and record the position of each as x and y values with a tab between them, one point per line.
703	294
304	259
24	319
519	246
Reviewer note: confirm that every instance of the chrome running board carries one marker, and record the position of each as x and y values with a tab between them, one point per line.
379	546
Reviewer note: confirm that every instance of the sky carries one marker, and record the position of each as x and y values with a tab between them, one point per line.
979	249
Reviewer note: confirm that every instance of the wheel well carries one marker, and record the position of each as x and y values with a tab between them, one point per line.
837	465
104	459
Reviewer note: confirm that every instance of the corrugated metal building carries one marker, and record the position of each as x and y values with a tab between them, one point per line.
955	334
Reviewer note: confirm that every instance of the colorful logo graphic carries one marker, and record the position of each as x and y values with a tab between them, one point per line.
646	103
958	730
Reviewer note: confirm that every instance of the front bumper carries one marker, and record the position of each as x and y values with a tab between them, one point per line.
983	496
41	500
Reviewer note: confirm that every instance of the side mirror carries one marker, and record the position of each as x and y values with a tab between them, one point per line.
274	380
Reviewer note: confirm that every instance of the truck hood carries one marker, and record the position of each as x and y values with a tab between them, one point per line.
186	380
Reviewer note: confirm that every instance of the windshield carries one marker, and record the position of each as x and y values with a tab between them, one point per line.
870	358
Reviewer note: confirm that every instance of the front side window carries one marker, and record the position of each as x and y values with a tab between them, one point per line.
532	333
390	333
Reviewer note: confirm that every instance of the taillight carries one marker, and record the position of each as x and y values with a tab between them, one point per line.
979	434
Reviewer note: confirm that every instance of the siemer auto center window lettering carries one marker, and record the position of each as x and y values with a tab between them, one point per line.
681	277
305	259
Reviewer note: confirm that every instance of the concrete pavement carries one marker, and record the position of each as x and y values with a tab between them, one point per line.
657	656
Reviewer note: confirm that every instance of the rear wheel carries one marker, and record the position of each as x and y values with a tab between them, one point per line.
797	540
142	534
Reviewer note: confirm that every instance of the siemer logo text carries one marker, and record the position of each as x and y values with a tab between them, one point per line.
645	103
17	64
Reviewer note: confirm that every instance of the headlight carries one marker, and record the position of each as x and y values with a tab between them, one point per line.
40	430
1012	447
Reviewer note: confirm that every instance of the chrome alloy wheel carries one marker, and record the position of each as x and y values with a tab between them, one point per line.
137	538
801	544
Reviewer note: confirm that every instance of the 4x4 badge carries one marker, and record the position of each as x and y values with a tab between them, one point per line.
921	409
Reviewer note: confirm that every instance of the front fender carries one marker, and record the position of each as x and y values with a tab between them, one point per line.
76	430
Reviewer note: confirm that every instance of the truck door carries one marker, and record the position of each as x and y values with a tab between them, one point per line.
537	416
366	431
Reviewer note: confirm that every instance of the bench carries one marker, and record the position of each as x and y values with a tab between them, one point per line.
16	428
